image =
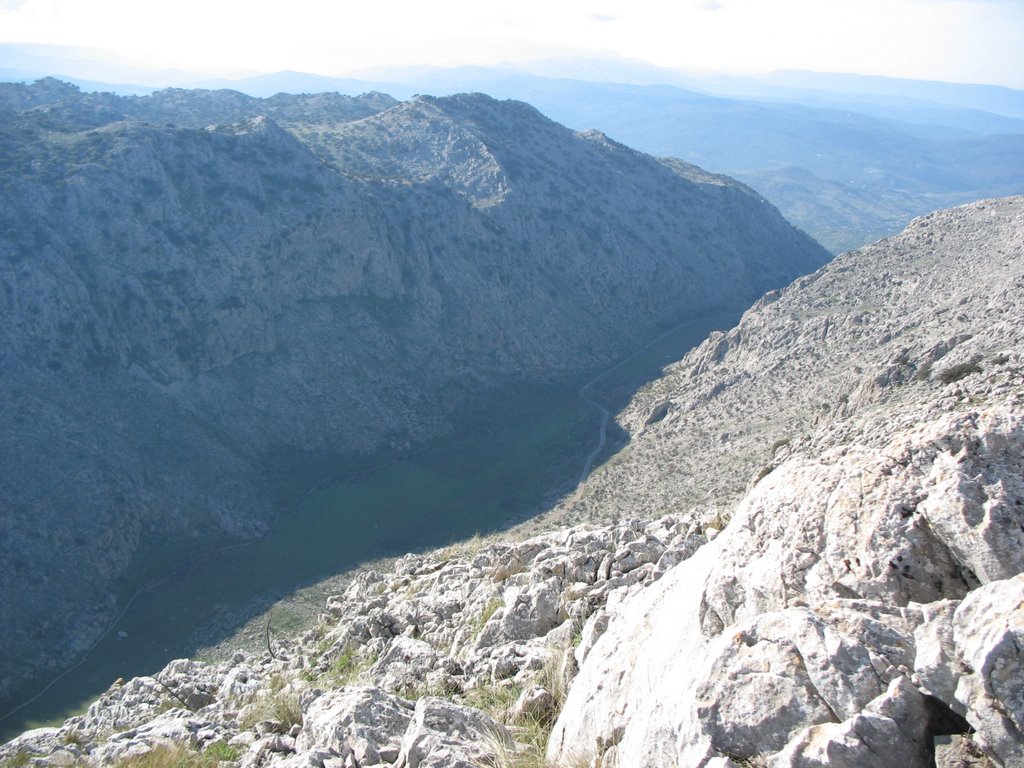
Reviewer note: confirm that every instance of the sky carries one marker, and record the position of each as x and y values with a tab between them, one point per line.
978	41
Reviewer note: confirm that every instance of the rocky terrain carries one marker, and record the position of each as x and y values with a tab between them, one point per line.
862	607
876	327
196	284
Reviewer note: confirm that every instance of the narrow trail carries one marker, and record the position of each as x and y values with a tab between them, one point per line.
602	438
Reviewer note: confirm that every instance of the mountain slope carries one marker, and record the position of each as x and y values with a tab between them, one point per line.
862	608
866	593
888	321
181	305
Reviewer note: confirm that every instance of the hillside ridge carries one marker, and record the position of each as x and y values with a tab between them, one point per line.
200	288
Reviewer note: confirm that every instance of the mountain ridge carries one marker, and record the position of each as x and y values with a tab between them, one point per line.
889	147
177	291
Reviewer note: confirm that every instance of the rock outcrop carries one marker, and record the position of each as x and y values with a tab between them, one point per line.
452	659
829	619
181	303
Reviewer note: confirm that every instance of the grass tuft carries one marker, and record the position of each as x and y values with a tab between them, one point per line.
960	371
485	616
177	756
281	706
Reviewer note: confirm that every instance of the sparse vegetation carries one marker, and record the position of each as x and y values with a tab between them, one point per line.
529	755
552	681
464	549
221	751
177	756
21	758
755	761
719	519
485	616
495	699
349	666
959	371
280	706
73	738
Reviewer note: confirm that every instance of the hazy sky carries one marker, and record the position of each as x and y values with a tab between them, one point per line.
957	40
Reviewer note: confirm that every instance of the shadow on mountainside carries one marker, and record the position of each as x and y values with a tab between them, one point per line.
511	456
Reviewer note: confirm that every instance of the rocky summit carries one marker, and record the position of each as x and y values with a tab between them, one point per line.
858	606
195	283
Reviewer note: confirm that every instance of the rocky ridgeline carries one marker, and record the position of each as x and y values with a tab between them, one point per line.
862	608
863	605
822	362
446	661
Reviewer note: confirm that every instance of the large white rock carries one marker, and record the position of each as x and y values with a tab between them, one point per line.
891	732
354	720
447	735
810	603
988	629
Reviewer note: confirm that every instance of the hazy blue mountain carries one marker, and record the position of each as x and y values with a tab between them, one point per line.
888	150
986	98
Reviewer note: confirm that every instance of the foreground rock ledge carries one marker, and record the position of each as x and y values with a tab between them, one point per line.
838	620
833	622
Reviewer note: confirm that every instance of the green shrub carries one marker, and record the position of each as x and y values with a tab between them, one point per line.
959	371
222	752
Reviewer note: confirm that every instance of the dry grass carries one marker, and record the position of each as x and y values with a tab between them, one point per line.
485	616
281	706
169	757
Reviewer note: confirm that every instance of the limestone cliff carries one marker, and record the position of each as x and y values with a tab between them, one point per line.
182	301
861	608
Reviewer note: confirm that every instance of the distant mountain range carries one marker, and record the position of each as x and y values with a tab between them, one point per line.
848	158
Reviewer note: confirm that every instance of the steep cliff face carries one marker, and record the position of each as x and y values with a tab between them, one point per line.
180	300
